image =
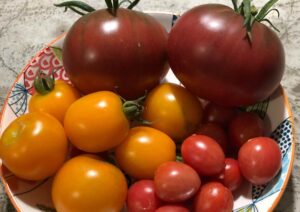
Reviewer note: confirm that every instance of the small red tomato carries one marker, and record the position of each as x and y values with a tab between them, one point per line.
216	132
231	176
172	208
204	154
214	197
243	127
260	160
141	197
176	182
218	114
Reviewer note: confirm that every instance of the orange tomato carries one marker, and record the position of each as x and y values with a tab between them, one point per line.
143	151
96	122
174	110
85	183
34	146
55	102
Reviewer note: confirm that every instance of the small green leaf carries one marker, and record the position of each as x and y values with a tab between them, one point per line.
271	24
133	4
265	9
75	5
235	5
57	52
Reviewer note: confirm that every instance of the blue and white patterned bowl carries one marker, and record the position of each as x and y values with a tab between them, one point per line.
35	196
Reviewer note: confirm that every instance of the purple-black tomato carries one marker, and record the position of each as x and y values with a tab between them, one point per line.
209	52
125	53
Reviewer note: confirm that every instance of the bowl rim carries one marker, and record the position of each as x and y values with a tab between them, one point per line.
281	90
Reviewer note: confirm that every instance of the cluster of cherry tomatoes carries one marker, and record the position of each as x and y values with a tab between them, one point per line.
187	156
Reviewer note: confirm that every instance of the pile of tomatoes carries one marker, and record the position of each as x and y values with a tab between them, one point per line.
168	150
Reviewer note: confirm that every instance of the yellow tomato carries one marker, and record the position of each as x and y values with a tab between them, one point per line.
85	183
34	146
56	102
96	122
143	150
174	110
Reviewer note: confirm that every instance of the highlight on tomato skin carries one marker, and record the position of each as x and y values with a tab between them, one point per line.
34	146
203	154
260	160
87	183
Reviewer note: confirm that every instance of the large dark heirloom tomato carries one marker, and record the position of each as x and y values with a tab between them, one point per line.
122	51
211	54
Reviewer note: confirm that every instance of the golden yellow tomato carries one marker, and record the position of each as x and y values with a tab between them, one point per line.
34	146
85	183
55	102
96	122
143	150
174	110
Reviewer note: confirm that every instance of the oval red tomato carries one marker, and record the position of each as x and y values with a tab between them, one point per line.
231	176
214	197
260	160
141	197
204	154
243	127
176	182
124	53
210	54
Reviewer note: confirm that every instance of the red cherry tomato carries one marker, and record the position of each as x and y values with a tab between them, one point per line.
176	182
214	197
141	197
243	127
260	160
218	114
231	176
172	208
216	132
204	154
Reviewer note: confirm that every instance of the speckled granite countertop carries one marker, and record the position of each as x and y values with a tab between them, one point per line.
26	25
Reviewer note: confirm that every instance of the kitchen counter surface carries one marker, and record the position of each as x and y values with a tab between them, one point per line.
27	25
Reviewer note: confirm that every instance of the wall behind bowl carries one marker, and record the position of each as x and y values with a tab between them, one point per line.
27	25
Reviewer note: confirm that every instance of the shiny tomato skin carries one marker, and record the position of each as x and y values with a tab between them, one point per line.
203	154
216	132
106	52
56	102
96	122
34	146
176	182
243	127
86	183
214	197
218	114
141	197
172	208
143	151
260	160
231	177
210	54
174	110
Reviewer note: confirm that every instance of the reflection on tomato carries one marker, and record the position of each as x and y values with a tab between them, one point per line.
96	122
56	102
143	150
141	197
260	160
214	197
174	110
85	183
34	146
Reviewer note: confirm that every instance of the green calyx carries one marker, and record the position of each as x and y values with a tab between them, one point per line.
82	8
133	110
43	83
251	14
